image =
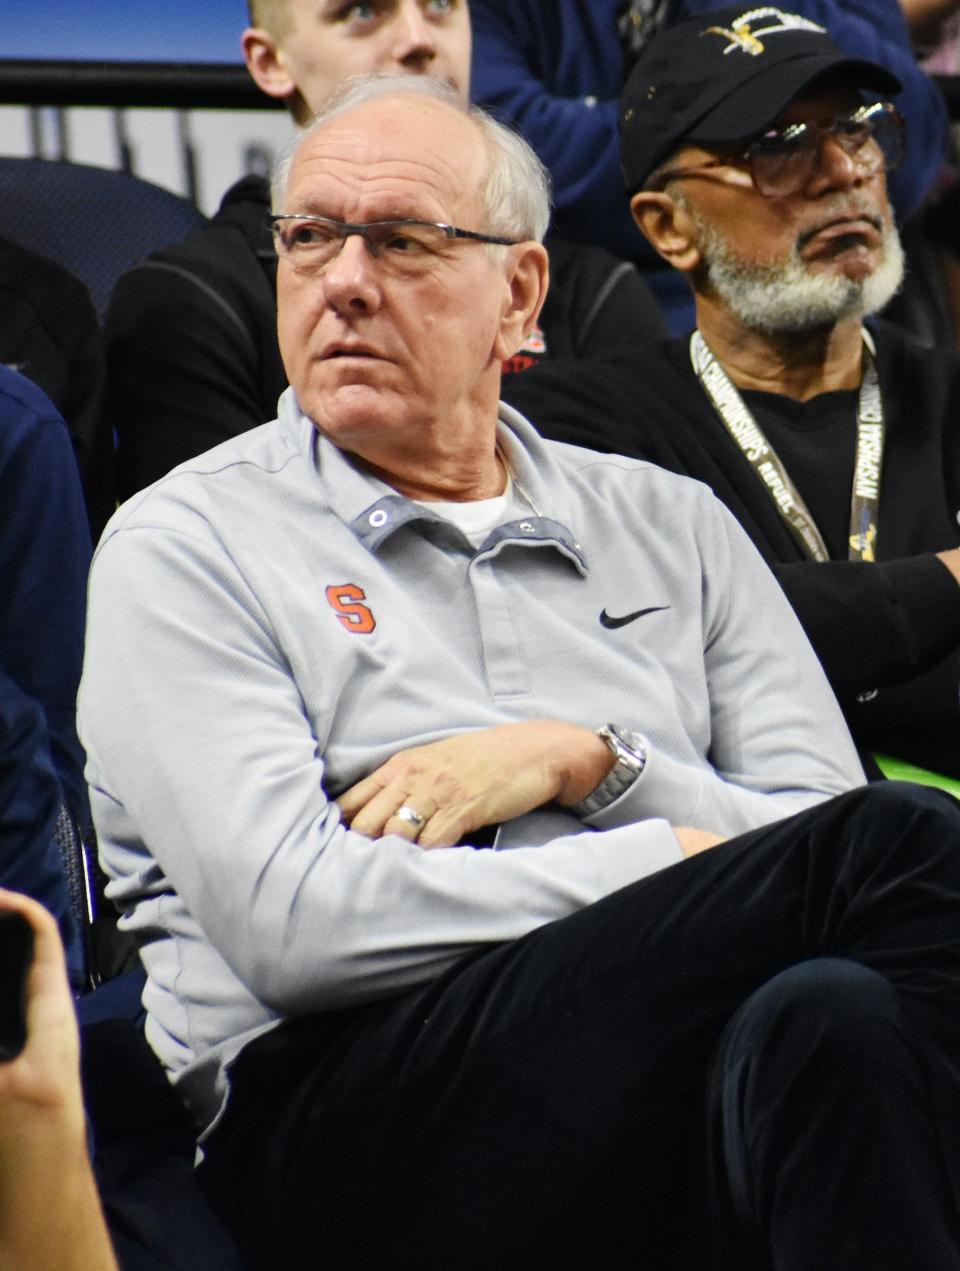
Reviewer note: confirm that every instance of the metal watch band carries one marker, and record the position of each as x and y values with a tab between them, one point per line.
630	755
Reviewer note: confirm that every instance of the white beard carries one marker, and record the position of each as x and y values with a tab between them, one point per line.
785	296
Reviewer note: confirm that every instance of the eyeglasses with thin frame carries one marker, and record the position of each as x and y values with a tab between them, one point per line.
782	160
404	247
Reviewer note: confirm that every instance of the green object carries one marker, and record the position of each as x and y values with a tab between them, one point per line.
897	770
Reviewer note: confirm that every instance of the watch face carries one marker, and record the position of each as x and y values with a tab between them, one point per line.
624	738
633	741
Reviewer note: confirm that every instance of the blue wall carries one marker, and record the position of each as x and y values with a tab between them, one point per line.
117	30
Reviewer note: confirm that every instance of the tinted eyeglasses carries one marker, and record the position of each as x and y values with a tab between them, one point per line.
403	247
782	160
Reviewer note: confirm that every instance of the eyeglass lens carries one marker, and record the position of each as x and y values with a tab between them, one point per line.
405	246
783	160
316	240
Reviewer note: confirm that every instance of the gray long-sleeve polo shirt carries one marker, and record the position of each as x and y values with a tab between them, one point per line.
268	624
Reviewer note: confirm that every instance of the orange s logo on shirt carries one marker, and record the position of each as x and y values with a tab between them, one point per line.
357	618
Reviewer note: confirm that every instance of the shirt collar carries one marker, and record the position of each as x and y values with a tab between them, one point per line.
374	511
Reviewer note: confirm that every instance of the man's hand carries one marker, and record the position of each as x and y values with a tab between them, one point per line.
693	841
44	1077
951	559
475	779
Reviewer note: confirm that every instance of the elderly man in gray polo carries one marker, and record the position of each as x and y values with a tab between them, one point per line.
481	811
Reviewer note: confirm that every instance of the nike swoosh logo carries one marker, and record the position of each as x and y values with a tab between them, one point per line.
612	623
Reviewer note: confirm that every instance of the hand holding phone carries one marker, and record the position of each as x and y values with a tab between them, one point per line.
50	1214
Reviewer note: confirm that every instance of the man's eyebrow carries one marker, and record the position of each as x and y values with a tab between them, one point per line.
311	209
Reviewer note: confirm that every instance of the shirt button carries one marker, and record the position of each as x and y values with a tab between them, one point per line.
527	527
378	518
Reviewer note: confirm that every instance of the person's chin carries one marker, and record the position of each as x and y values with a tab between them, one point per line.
351	410
854	255
856	263
347	379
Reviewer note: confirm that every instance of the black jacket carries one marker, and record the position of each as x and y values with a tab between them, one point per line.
50	333
892	626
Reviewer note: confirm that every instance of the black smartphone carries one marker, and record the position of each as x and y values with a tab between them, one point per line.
16	954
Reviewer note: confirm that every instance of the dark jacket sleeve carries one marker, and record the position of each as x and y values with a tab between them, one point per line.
877	625
192	355
554	69
44	559
30	860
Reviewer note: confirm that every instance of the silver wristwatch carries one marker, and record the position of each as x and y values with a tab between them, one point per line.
630	754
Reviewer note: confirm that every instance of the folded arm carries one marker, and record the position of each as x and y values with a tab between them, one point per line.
308	913
465	782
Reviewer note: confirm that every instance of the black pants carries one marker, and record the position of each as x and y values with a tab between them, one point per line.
751	1059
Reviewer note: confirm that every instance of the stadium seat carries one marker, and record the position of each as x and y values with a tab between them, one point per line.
95	221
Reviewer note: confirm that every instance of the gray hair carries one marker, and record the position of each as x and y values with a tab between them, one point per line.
516	193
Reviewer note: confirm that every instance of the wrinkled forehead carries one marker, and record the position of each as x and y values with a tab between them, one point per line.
392	158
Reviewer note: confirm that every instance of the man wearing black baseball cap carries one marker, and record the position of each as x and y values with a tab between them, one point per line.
724	77
755	154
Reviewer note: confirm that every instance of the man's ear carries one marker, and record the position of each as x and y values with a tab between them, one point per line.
668	228
527	282
266	63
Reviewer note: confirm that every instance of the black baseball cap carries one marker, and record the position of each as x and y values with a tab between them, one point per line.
725	76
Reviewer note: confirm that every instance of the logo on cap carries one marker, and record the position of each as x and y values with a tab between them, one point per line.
745	34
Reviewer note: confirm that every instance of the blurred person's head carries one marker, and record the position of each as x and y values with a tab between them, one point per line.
303	50
755	153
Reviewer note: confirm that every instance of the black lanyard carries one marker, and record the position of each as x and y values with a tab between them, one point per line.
739	422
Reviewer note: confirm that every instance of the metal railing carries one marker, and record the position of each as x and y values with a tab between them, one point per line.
48	88
127	85
178	85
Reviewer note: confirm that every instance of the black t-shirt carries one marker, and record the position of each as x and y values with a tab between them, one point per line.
816	443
